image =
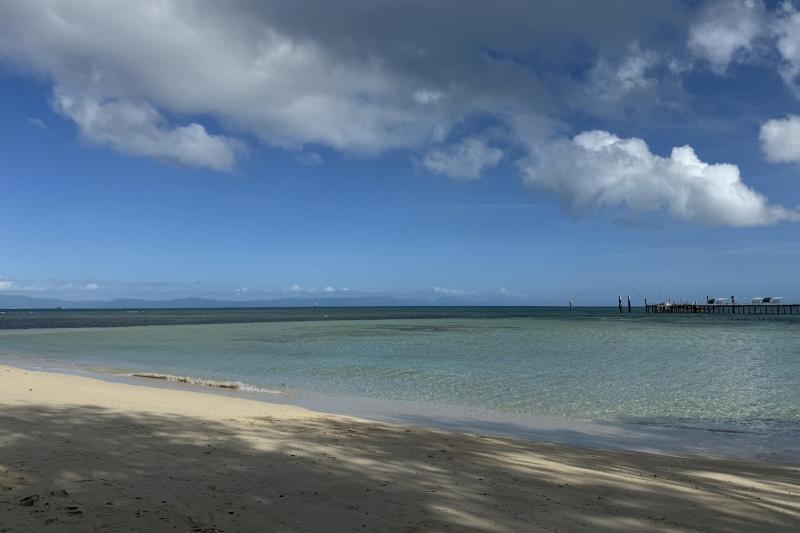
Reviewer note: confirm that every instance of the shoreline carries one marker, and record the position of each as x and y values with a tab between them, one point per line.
632	436
82	453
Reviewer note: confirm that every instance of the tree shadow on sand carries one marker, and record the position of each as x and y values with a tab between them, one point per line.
84	468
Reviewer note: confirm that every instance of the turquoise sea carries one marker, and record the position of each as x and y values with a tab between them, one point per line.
714	384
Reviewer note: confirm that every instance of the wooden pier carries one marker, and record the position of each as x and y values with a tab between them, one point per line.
725	309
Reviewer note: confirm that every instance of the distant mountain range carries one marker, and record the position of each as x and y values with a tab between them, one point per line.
12	301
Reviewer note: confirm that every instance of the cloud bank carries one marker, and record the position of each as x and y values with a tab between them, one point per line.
198	82
18	286
356	77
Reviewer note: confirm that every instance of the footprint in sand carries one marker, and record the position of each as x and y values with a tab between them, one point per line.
29	501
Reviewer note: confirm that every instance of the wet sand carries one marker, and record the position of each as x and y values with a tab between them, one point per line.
80	454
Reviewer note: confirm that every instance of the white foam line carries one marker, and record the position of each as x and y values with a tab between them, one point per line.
233	385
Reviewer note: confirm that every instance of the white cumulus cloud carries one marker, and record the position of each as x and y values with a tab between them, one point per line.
597	169
138	129
612	81
117	68
726	29
297	288
449	292
787	35
780	139
744	31
15	286
464	160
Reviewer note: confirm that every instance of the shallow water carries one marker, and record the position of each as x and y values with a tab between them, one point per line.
722	373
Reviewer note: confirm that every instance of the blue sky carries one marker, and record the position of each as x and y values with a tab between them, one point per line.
518	155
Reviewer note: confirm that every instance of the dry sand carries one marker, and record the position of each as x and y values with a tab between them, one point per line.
79	454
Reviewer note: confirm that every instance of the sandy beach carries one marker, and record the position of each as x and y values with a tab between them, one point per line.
81	454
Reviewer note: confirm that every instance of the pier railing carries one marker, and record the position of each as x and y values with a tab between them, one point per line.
733	309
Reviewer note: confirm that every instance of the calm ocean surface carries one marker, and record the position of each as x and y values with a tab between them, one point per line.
728	375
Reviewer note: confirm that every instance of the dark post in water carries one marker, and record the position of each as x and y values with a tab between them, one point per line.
629	304
620	303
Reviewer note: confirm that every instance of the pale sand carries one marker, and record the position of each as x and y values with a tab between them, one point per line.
101	456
